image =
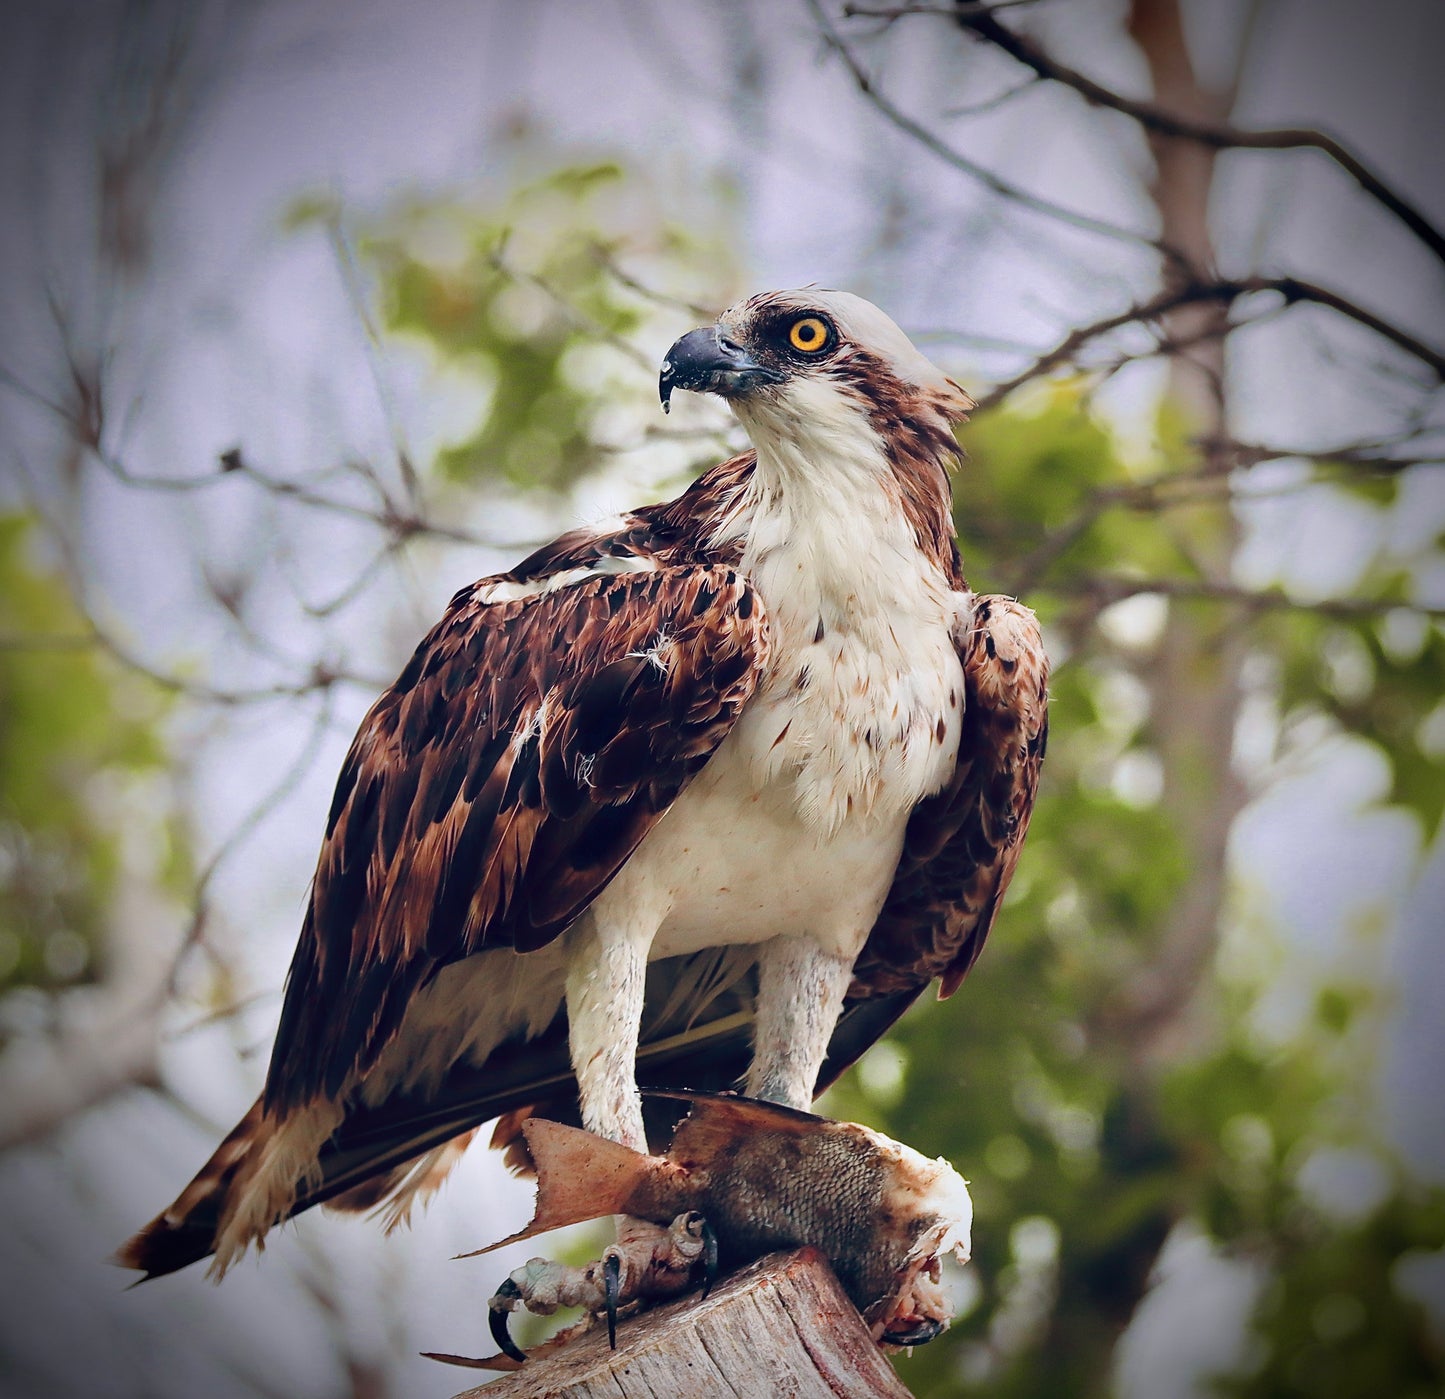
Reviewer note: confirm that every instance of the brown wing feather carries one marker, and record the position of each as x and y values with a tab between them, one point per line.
499	785
963	843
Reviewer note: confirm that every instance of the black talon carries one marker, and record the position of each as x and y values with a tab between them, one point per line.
709	1259
917	1335
497	1319
611	1277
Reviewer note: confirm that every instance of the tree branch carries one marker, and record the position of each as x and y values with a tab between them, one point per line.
1220	135
1368	458
1226	292
1035	203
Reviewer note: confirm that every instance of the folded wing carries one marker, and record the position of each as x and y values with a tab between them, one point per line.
963	843
537	733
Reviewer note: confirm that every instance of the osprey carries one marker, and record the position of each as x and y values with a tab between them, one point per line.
704	795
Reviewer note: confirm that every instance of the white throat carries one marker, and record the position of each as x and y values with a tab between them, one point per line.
825	537
860	710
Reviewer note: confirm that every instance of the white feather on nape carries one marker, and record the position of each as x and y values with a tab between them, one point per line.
510	590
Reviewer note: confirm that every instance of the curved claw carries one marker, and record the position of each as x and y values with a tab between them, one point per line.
917	1335
709	1258
497	1318
611	1279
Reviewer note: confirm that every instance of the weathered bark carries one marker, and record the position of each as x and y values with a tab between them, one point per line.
781	1326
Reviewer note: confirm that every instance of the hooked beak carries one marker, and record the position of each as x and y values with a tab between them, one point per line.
705	361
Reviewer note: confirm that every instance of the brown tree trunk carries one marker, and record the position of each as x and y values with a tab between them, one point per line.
1193	679
1194	676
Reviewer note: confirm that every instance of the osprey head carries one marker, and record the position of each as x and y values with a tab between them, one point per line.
785	352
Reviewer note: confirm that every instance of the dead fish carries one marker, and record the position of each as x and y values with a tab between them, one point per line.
741	1179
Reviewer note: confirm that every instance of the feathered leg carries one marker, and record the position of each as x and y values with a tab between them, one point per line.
604	1009
800	994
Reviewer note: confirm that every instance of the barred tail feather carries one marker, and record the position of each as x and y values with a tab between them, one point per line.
250	1183
186	1230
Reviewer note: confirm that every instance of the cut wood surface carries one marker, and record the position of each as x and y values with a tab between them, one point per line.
781	1327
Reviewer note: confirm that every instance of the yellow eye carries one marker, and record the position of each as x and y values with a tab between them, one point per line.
808	335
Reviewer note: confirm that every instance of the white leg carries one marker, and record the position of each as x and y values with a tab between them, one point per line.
800	992
604	1010
648	1261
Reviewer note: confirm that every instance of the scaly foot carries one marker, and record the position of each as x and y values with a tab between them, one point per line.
648	1262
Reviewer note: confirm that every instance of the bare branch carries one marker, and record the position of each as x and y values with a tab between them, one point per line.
1035	203
991	104
195	935
221	1014
604	257
497	261
891	12
1222	460
1225	292
1293	289
350	591
1219	135
106	1037
112	1048
85	418
234	463
321	678
351	279
1376	456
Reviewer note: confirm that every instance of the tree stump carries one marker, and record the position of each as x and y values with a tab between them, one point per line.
782	1326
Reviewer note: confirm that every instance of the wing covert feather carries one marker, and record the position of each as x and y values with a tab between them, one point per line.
962	843
496	788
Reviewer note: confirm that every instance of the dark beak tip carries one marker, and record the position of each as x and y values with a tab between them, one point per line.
704	361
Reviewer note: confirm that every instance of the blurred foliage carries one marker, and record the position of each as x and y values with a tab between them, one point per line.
1032	473
517	335
1046	510
73	727
520	294
1334	1319
1083	1150
1382	678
